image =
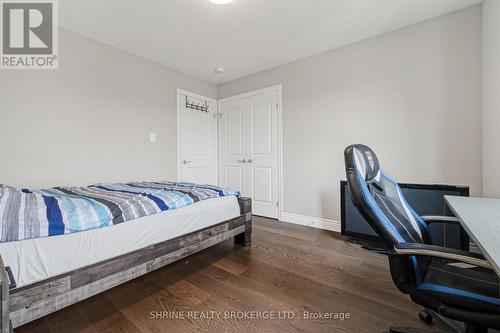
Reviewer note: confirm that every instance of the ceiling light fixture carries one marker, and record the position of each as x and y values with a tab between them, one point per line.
221	2
219	70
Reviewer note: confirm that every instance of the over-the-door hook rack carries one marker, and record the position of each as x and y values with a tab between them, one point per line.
197	106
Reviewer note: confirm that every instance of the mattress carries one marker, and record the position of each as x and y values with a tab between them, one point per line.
33	260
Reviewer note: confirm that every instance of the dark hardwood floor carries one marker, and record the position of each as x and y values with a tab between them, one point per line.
287	268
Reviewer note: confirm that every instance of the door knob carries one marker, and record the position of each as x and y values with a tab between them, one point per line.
186	161
250	160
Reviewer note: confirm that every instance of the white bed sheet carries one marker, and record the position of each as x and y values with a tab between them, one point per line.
40	258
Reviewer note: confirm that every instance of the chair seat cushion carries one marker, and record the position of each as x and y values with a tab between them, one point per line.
462	286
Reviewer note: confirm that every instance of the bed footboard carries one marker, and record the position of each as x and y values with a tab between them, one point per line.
27	303
4	298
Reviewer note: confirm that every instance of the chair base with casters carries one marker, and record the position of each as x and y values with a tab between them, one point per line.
417	330
445	326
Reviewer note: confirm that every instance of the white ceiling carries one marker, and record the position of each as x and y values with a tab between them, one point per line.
244	37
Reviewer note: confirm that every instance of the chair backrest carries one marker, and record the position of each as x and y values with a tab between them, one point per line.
380	201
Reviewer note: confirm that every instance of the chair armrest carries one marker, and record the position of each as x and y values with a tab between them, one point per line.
417	249
439	219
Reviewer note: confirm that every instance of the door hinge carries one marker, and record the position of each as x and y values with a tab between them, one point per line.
277	204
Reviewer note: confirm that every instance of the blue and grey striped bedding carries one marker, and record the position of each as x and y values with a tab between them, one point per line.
26	213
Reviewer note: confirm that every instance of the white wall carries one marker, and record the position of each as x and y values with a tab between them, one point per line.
413	95
89	121
491	97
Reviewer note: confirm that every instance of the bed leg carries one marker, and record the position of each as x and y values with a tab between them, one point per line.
4	299
245	239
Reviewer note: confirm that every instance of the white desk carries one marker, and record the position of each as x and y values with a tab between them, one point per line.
480	218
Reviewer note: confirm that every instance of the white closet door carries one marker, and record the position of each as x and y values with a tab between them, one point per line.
248	154
262	153
232	147
198	153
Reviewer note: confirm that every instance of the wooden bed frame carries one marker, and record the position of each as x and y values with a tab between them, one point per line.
27	303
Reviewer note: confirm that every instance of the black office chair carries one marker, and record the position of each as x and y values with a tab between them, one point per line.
448	283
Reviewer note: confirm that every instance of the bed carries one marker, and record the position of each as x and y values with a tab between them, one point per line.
40	275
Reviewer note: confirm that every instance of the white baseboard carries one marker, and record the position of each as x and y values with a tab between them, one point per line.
315	222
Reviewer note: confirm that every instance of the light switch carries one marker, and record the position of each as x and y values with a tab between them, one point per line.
152	137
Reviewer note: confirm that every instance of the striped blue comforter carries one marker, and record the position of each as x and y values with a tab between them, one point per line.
27	213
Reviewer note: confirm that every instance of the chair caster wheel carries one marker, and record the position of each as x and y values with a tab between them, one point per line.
425	316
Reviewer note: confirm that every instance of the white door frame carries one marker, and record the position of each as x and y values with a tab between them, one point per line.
277	89
179	113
